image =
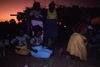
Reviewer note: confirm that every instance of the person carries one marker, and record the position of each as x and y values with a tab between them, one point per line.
21	42
51	28
4	46
77	43
36	17
86	22
36	47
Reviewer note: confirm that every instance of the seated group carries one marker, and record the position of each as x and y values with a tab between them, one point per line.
26	45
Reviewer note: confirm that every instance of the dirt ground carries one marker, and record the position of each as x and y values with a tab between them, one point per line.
14	60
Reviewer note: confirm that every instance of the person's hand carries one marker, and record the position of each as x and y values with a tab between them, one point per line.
35	51
85	41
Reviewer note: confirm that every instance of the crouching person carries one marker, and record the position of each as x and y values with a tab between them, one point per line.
77	43
21	42
36	49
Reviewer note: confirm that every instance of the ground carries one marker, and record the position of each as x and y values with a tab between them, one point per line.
14	60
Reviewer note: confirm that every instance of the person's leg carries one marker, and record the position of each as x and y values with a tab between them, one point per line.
51	43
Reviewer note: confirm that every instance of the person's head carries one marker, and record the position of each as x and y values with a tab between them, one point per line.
38	33
37	30
36	5
21	32
81	29
52	5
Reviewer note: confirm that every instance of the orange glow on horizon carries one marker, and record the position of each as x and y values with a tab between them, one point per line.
8	7
8	18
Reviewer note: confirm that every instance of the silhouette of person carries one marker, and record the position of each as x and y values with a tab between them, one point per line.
51	28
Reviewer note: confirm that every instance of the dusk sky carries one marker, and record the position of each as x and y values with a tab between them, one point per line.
8	7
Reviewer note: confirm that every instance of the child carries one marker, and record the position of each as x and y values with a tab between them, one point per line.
21	42
36	44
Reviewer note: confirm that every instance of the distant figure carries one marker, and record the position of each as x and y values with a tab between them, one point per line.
36	17
4	46
21	42
51	28
86	22
36	48
77	43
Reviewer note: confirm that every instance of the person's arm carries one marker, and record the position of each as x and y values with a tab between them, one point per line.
31	43
29	46
13	41
81	41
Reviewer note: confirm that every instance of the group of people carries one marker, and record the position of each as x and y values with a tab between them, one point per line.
47	20
34	45
26	45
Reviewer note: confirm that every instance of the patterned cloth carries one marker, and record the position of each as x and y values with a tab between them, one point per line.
21	40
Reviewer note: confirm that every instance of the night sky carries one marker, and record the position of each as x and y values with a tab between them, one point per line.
8	7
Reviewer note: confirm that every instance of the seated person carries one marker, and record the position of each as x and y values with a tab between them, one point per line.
77	43
36	49
21	42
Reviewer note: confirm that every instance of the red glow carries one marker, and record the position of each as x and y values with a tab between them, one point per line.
8	7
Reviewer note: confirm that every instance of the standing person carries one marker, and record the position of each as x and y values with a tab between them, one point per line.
36	17
51	31
4	46
36	48
21	43
77	43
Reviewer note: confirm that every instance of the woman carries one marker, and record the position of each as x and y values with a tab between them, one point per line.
51	31
77	43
